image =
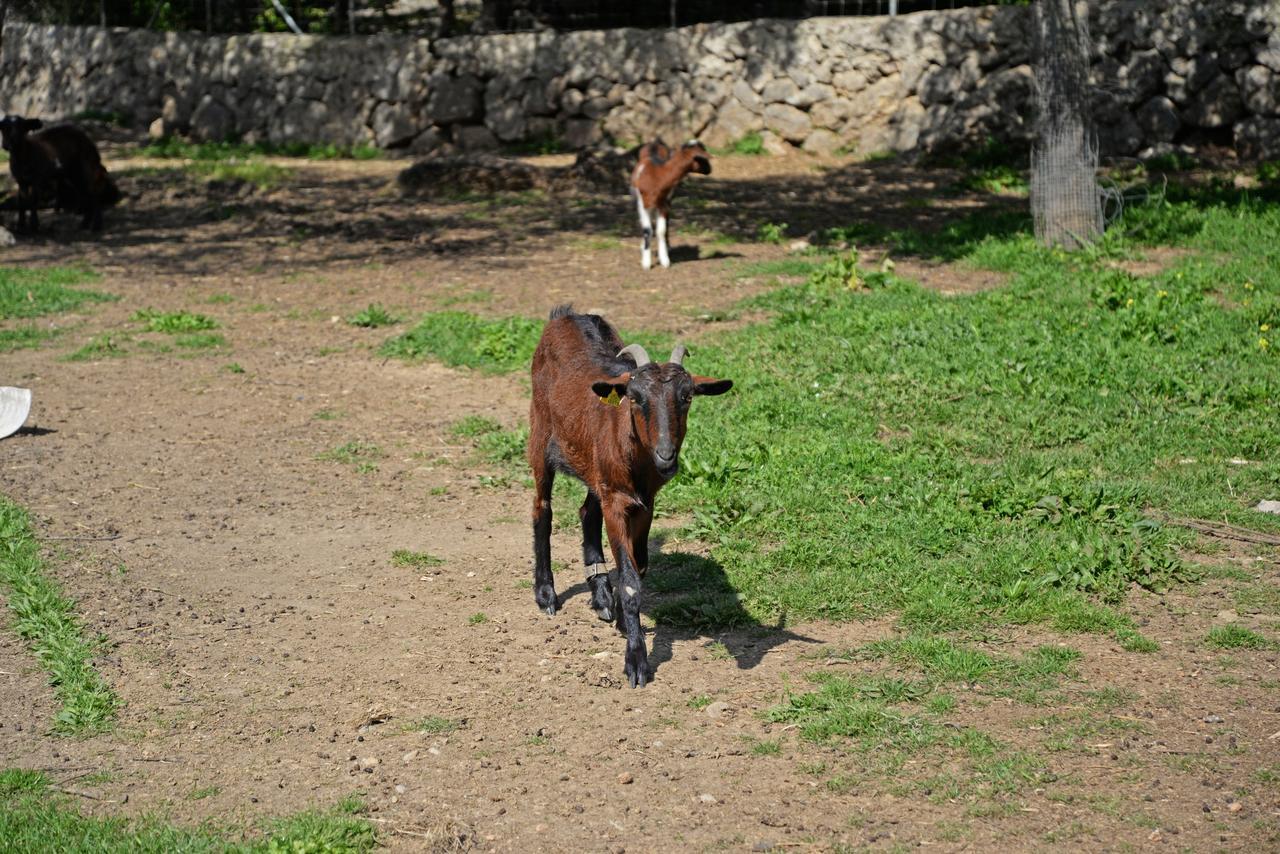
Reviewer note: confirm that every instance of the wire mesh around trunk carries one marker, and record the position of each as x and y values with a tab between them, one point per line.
1066	205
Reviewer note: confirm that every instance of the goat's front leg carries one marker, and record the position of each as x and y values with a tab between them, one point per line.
619	523
663	258
593	558
646	225
544	585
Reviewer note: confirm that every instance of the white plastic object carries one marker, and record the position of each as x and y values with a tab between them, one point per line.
15	404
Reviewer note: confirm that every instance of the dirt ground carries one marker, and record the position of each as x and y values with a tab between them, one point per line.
271	657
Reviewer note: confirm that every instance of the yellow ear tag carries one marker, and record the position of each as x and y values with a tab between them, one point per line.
612	399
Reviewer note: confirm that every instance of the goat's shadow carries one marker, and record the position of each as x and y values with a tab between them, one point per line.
689	597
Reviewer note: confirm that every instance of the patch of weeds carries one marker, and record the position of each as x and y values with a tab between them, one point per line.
202	792
178	148
771	232
264	176
1000	180
373	317
233	368
328	414
750	145
219	299
940	704
174	322
363	455
1232	636
432	725
766	747
44	618
24	337
477	618
699	701
37	291
417	560
836	709
459	339
493	443
200	341
717	651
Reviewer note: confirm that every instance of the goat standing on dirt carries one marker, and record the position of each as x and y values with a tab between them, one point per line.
606	415
61	159
658	172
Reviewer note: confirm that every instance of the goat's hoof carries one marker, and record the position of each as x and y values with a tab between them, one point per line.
605	614
637	668
545	596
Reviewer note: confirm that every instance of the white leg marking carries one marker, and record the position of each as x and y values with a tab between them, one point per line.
663	258
647	226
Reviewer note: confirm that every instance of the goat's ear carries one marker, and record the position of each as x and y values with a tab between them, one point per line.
708	385
611	390
702	165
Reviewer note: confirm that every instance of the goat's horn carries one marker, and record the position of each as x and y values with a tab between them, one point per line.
636	352
678	354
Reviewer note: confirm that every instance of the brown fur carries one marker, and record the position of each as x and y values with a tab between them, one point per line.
624	453
660	169
60	159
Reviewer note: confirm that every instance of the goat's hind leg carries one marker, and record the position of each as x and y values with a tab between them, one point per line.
602	596
646	225
544	584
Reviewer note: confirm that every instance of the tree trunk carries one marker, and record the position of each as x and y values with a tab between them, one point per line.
1065	203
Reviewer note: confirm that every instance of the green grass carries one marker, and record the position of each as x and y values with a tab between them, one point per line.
987	459
37	291
173	322
46	619
362	455
263	175
477	618
432	725
200	341
373	317
1236	637
751	145
417	560
24	337
459	339
35	817
99	347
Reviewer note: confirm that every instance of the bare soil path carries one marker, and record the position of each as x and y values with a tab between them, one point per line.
271	657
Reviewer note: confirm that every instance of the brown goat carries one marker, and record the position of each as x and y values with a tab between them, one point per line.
606	415
62	160
659	170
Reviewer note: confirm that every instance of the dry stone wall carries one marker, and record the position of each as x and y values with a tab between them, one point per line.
1164	73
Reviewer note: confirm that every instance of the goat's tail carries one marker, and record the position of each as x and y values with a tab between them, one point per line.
563	310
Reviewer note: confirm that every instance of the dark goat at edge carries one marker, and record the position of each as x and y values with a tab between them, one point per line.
61	160
658	171
605	414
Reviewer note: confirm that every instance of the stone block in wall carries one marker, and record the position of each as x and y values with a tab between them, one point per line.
582	133
1216	105
731	123
788	122
392	126
300	121
822	141
1159	120
850	82
212	121
941	85
743	94
779	90
1269	56
1142	75
1258	138
1260	89
831	113
474	138
453	100
774	144
812	94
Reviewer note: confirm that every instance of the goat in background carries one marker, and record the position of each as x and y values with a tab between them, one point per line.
658	171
